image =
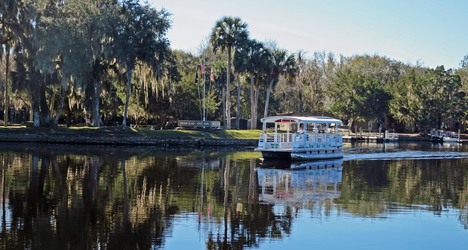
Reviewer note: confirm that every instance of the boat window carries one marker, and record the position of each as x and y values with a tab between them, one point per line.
311	127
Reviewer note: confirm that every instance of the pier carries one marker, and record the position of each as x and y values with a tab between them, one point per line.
371	137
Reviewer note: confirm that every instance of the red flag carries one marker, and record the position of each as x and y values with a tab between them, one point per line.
212	75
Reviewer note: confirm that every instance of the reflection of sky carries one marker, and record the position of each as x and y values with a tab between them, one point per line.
7	212
405	229
185	233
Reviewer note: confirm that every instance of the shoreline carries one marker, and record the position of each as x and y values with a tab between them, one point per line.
113	136
117	136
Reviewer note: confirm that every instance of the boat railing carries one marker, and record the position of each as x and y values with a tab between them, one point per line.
323	139
278	137
300	140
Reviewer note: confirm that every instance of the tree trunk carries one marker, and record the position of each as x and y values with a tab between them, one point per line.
301	105
350	125
224	106
126	214
44	108
35	109
128	75
61	103
33	198
228	91
95	115
253	122
226	195
252	195
267	100
238	115
90	188
5	96
36	117
257	93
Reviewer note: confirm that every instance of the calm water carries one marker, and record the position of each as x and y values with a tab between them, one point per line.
380	196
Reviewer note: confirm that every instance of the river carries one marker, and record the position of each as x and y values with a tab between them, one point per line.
379	196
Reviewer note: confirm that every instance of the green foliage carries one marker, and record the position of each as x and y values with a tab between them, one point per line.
357	96
228	32
101	59
407	102
428	98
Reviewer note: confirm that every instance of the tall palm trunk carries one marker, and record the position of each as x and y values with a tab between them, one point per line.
253	107
238	115
228	90
223	98
257	93
267	100
5	96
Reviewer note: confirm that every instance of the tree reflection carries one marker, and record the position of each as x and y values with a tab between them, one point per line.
370	187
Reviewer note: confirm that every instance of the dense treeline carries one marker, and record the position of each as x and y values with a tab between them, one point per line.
107	62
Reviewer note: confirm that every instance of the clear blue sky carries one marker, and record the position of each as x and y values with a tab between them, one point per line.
429	31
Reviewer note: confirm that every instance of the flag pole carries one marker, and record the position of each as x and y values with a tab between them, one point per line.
204	101
198	91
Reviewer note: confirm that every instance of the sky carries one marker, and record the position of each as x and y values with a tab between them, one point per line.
427	32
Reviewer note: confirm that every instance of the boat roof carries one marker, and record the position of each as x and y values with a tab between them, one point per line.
302	119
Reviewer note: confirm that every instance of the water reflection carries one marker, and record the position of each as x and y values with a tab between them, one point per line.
318	181
59	197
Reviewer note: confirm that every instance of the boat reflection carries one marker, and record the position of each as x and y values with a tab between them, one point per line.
301	182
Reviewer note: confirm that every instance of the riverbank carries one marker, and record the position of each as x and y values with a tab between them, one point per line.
144	137
130	136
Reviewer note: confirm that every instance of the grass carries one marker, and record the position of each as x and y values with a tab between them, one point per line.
211	134
215	134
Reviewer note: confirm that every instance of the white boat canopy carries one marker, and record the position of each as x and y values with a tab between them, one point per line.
302	119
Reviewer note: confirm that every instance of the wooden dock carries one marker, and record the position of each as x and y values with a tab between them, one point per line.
369	137
362	138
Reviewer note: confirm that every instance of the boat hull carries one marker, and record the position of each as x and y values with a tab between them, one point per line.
302	155
275	155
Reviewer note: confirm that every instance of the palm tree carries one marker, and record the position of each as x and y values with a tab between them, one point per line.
281	64
252	58
227	34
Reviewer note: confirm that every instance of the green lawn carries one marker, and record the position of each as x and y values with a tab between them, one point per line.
214	134
220	134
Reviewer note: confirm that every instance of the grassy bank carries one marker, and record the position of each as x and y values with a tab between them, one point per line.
212	134
128	136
